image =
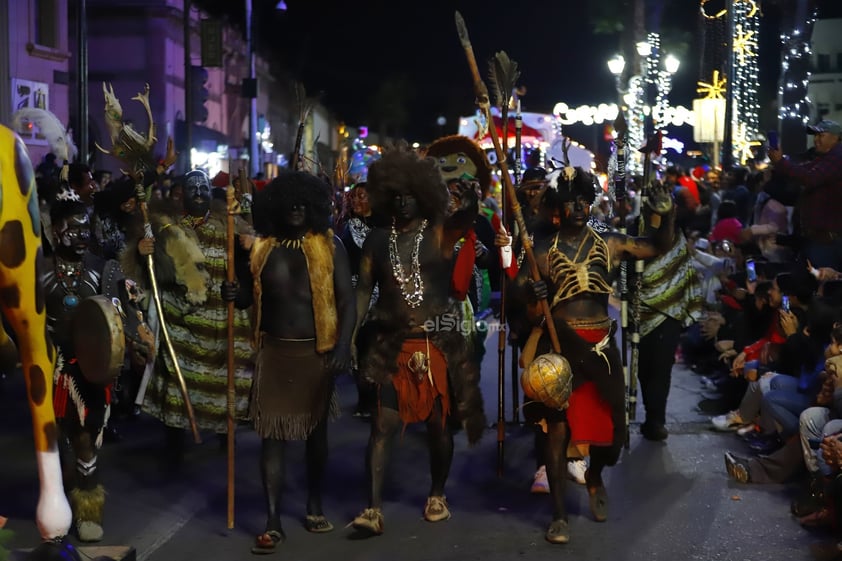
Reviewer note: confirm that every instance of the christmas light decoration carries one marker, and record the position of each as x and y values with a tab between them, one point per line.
743	144
794	103
713	90
746	122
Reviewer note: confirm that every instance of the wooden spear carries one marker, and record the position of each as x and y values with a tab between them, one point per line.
140	191
481	91
230	276
504	75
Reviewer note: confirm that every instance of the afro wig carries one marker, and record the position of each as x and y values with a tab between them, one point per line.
288	189
403	171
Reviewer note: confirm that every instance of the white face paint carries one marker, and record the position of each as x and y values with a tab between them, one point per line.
74	233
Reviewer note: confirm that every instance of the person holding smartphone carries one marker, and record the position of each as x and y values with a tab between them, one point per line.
821	206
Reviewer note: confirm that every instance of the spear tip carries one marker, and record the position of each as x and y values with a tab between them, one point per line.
462	30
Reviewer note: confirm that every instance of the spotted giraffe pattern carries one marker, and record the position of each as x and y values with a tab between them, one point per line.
23	303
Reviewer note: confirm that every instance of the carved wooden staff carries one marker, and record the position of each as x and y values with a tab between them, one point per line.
504	75
230	276
515	364
653	144
621	196
159	307
484	104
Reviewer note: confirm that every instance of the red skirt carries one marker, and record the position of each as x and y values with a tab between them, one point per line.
589	416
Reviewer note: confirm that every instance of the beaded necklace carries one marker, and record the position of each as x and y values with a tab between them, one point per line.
294	243
69	275
415	296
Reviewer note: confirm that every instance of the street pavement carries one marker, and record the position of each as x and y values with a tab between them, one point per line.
670	501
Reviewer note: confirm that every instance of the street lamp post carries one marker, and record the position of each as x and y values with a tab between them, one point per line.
254	155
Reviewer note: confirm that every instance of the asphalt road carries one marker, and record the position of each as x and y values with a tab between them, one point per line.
670	501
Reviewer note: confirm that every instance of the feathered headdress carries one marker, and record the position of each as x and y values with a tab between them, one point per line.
57	136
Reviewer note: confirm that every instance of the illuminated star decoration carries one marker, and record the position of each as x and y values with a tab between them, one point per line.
744	44
722	13
713	90
742	145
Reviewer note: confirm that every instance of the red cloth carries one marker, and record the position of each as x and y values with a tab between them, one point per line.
588	415
463	270
691	186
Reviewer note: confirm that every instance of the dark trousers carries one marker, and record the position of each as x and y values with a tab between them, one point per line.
655	360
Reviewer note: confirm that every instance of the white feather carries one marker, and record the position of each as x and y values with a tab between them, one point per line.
58	138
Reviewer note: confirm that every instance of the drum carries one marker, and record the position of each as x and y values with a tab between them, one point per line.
98	339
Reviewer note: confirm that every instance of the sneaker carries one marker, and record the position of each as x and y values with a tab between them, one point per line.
369	520
728	422
737	468
747	430
436	509
575	470
540	485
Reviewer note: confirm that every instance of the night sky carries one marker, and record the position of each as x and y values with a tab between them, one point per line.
345	50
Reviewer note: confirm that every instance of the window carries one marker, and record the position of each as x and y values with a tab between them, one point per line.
46	23
823	63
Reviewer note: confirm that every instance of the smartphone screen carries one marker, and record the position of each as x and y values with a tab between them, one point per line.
751	272
785	303
772	139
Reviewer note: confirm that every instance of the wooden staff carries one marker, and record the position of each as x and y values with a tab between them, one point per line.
484	104
150	266
508	222
232	398
504	74
653	144
621	195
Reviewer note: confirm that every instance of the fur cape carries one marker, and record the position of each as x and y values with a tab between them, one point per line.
379	363
178	258
318	251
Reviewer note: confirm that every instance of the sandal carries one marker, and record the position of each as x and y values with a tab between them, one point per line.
369	521
558	532
317	524
436	509
267	542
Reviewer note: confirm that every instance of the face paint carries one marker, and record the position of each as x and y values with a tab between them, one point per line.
73	234
405	206
197	193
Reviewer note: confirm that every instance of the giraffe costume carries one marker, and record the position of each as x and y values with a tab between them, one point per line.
23	303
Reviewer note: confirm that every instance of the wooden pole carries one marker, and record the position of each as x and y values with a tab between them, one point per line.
230	277
481	91
150	266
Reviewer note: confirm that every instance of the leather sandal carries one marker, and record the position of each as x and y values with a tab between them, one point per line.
558	532
317	523
267	542
436	509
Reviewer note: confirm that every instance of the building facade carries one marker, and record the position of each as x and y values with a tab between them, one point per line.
825	88
138	42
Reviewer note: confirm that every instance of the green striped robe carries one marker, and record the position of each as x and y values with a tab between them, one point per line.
200	339
670	288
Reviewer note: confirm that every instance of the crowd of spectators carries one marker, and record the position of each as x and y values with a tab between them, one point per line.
769	347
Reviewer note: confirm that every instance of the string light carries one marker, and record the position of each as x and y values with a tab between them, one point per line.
794	103
746	122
